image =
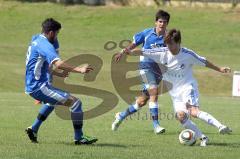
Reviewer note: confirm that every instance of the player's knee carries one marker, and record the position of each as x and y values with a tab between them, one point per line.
70	101
142	100
153	98
181	116
153	91
194	112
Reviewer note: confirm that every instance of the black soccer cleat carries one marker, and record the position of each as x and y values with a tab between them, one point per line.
31	134
86	140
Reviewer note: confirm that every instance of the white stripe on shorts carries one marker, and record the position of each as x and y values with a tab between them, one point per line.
48	92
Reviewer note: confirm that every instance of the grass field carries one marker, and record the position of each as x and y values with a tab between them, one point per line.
213	33
134	139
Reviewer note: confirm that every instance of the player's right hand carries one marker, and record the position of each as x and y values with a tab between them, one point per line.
225	70
85	69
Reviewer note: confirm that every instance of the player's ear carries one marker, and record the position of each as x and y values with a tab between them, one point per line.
51	33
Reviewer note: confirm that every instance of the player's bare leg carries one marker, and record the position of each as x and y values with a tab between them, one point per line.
209	119
183	118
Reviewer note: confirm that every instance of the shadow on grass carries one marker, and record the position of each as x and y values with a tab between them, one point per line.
232	145
110	145
96	144
164	133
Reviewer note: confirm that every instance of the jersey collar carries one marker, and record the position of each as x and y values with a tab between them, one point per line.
43	36
153	31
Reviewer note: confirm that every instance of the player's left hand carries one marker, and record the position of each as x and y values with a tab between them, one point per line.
225	69
118	57
36	102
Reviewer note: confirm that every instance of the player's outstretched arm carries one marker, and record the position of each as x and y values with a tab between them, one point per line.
126	50
60	73
216	68
59	64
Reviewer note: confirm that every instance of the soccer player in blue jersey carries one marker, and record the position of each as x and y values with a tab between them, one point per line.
149	71
46	108
41	57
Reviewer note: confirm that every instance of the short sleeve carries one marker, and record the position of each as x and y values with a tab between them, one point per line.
50	53
196	59
138	38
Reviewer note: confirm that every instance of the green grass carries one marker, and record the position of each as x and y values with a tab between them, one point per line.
213	33
135	138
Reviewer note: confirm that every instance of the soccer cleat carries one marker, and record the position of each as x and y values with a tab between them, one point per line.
159	130
116	122
86	140
224	130
204	141
31	134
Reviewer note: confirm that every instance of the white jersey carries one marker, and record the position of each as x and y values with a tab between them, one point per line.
178	68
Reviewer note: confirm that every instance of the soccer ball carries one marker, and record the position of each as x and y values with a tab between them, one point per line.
187	137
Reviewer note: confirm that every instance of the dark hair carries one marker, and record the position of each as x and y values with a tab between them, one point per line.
162	14
174	35
50	24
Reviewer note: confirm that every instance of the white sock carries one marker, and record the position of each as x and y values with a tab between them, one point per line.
208	118
191	125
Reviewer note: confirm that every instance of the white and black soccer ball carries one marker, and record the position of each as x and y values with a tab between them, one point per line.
187	137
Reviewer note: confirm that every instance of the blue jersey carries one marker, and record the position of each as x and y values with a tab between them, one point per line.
41	53
55	45
149	40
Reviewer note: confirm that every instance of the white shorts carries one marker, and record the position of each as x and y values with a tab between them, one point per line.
189	96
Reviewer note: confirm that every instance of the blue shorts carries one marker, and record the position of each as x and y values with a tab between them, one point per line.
150	74
49	94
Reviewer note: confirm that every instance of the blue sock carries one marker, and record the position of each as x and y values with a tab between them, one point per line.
42	115
77	119
130	110
154	115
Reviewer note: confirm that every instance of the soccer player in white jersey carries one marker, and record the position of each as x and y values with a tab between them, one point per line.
150	72
177	63
41	56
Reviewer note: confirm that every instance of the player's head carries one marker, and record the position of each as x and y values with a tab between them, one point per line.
50	28
161	14
173	40
161	19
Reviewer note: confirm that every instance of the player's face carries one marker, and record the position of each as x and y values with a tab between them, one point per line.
161	24
173	47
